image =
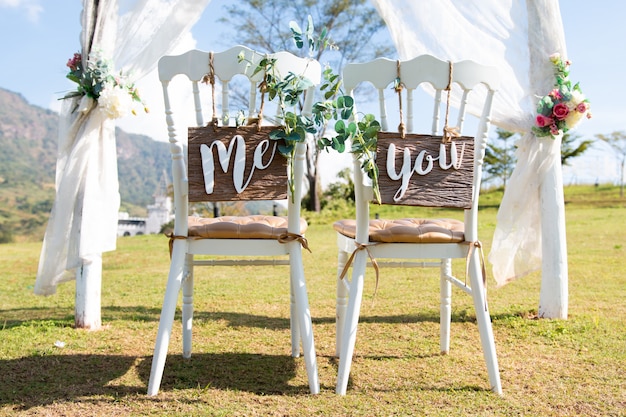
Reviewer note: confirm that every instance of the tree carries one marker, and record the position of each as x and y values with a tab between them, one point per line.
353	25
569	150
500	160
617	143
343	189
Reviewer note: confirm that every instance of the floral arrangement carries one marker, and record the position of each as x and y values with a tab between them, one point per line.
97	80
564	106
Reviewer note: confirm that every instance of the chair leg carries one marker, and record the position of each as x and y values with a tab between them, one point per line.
348	334
303	314
293	323
445	306
167	316
484	324
187	305
342	300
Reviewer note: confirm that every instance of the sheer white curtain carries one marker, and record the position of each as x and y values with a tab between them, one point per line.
134	34
516	36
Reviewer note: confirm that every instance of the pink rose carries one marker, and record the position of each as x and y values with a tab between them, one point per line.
582	107
560	111
543	121
554	130
74	62
556	94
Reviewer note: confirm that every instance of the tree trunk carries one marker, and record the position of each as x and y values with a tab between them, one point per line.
621	179
313	204
312	176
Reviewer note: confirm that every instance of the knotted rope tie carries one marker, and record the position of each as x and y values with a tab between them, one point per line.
398	86
449	132
172	238
209	78
290	237
263	89
472	247
361	246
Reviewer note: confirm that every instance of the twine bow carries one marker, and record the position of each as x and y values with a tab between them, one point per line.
290	237
361	246
172	238
477	245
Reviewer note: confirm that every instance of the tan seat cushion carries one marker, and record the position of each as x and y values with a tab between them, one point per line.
240	227
408	230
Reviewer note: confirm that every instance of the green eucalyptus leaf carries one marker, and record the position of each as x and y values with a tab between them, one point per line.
339	145
340	126
371	132
285	150
277	134
294	136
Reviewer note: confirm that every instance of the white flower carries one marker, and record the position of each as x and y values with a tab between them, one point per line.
115	101
573	118
577	98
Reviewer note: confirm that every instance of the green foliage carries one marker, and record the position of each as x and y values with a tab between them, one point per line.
6	233
342	190
500	159
358	33
617	143
571	149
361	133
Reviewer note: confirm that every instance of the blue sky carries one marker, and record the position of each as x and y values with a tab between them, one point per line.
38	36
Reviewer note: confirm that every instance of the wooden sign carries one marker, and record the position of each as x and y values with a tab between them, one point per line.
235	163
419	170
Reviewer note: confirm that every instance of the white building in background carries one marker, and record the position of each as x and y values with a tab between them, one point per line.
159	213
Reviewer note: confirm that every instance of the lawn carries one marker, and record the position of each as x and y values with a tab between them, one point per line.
241	364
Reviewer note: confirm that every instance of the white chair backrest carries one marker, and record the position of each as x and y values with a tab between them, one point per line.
434	75
195	65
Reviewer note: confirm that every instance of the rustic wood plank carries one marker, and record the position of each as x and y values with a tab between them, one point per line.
266	183
438	187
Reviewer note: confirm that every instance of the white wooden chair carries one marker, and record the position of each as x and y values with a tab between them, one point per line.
272	240
439	240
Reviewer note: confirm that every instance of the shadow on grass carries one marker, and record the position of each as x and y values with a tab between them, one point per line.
250	372
64	317
43	380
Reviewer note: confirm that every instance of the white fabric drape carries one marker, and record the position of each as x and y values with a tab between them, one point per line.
517	37
83	221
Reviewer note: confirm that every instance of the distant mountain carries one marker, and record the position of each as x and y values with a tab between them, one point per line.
28	147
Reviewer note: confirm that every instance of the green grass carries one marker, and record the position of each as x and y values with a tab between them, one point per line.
241	363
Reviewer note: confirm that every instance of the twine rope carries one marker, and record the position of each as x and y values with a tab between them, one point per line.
209	78
449	132
362	246
172	238
473	246
290	237
398	87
